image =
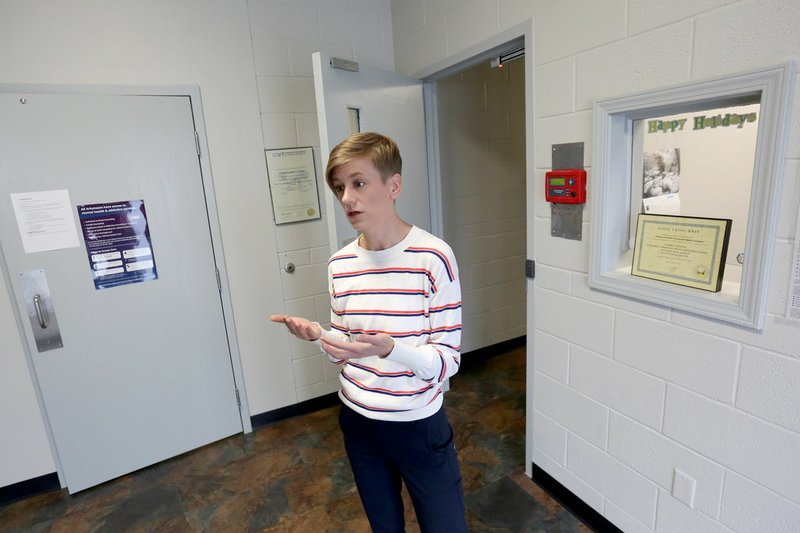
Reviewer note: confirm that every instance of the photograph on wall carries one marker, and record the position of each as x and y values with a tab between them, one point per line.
661	182
118	243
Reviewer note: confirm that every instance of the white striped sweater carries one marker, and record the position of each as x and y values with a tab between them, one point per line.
410	291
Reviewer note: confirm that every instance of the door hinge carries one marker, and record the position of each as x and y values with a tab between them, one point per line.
238	399
197	143
219	281
530	268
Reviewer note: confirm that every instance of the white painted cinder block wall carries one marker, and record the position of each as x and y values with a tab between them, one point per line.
285	34
482	156
636	390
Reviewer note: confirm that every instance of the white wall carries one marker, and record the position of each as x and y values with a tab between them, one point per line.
635	390
482	159
246	83
284	36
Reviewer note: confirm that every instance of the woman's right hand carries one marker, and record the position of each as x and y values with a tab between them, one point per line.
299	327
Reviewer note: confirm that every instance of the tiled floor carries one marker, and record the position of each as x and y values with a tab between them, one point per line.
294	476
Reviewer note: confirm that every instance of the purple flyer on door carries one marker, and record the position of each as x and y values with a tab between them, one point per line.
118	243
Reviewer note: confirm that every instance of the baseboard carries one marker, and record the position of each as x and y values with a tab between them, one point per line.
28	488
302	408
571	502
477	357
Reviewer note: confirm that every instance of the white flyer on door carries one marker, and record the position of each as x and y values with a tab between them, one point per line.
45	220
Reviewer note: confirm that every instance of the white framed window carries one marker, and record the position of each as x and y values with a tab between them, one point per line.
626	141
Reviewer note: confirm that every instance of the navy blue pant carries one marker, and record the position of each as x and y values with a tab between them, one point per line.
419	453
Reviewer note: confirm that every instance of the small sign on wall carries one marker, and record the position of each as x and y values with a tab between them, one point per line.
293	184
118	243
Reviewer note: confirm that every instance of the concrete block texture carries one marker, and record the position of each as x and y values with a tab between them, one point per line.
620	387
549	437
551	357
700	362
576	412
628	489
408	16
557	314
751	447
555	279
623	520
572	482
566	28
580	289
568	254
308	371
673	515
747	506
357	26
768	388
793	141
745	35
789	195
276	19
575	127
778	335
472	22
780	283
554	89
634	64
656	456
644	15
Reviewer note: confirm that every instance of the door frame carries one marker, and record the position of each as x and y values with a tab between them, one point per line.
193	93
430	76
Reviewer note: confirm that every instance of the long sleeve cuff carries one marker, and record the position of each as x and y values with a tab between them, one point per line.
415	359
324	334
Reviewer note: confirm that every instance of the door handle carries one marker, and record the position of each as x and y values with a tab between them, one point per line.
37	304
42	315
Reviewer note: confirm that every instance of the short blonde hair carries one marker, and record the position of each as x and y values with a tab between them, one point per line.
381	151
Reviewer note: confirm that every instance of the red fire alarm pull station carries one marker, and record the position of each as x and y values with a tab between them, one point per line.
566	186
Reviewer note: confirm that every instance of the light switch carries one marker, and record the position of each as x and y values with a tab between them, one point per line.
684	487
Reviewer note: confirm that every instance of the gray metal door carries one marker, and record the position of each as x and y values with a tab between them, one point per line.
387	103
144	372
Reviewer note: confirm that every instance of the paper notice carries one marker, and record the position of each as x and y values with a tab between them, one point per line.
45	220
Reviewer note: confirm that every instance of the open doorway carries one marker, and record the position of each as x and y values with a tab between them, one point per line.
481	144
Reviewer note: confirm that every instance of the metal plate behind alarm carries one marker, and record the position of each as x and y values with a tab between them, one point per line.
41	313
566	220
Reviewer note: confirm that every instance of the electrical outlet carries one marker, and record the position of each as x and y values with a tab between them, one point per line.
684	487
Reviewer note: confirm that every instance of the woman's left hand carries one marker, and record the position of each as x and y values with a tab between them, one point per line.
379	344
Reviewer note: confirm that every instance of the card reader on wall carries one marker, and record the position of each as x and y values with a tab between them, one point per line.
566	186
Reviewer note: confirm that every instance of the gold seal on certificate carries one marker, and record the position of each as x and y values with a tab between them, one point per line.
686	251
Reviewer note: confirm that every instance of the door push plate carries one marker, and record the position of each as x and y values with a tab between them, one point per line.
41	313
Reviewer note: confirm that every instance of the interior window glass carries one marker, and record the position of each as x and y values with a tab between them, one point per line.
698	163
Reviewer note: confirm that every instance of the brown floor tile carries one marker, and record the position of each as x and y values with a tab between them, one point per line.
294	476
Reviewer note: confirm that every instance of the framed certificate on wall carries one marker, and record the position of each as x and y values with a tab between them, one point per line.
293	184
687	251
